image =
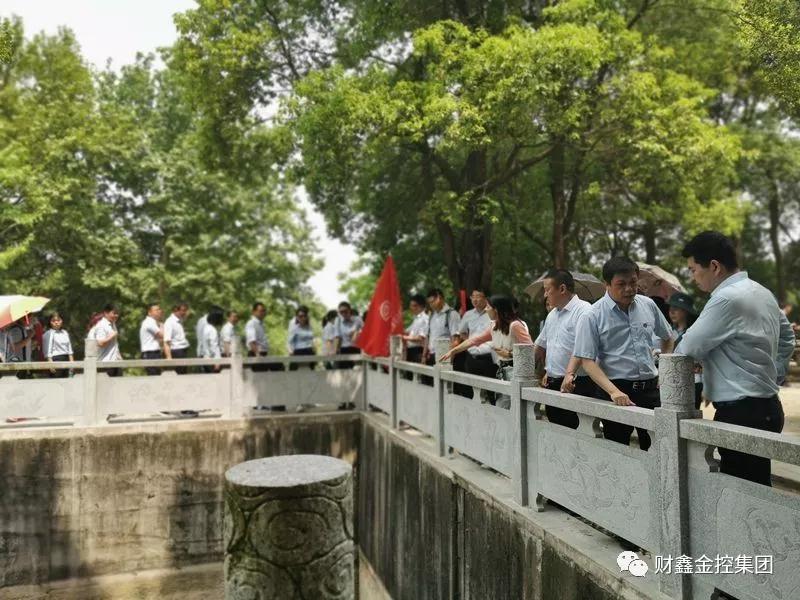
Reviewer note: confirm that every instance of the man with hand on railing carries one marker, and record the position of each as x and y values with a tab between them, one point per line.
478	360
614	342
744	342
557	341
414	338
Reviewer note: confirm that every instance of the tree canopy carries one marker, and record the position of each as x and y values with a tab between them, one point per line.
479	141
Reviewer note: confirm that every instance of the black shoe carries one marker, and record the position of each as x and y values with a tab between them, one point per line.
187	414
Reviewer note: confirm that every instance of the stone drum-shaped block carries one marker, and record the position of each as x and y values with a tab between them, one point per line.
288	529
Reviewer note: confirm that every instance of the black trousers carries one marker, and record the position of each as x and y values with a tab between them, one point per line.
584	386
60	373
302	352
643	398
698	394
460	364
152	355
268	367
182	353
482	365
414	354
347	364
759	413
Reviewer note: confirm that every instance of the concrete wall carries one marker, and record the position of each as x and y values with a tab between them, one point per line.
442	528
89	502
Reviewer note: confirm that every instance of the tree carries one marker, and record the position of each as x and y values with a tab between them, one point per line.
106	194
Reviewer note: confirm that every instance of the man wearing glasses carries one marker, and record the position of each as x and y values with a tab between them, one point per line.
614	342
477	360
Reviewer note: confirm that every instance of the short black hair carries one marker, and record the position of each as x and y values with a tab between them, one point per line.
110	308
346	304
481	289
302	309
712	245
561	277
618	265
215	318
434	292
257	304
230	313
152	304
419	299
180	305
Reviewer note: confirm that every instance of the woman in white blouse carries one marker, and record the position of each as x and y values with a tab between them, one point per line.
301	336
57	346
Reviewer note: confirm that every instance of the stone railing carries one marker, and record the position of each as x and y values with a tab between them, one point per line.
90	396
670	500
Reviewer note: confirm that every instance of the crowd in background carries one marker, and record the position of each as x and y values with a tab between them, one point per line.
215	333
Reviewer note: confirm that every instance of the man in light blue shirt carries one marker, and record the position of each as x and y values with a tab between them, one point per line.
744	342
614	342
557	342
477	360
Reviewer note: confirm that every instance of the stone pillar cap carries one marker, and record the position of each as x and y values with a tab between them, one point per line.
288	471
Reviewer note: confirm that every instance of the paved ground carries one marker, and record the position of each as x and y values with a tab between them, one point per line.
786	475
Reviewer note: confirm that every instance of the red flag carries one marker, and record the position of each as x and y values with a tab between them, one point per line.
385	317
462	297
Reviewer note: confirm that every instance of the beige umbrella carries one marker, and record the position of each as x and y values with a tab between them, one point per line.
655	281
588	287
13	308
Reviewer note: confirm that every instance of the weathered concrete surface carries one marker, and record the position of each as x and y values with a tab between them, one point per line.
289	529
446	528
200	582
90	502
405	513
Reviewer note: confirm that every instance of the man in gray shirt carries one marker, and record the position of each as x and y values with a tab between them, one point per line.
614	342
744	342
443	322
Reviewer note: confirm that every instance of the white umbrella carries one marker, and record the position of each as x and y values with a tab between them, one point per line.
655	281
588	287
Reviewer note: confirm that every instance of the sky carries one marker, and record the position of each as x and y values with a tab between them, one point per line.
118	29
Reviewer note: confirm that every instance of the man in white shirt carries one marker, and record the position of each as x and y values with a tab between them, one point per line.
414	337
228	333
256	337
107	336
556	343
150	336
477	360
442	322
175	343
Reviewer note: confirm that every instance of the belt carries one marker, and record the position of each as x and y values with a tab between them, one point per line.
745	400
642	385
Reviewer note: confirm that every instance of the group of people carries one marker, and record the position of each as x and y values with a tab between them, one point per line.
741	341
216	335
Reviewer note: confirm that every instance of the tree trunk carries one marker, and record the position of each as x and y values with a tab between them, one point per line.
774	237
559	200
649	234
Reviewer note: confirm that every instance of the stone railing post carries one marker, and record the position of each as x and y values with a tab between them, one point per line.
236	403
91	412
524	376
395	353
676	383
288	529
442	346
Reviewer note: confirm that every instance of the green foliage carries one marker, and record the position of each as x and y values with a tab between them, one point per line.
109	193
